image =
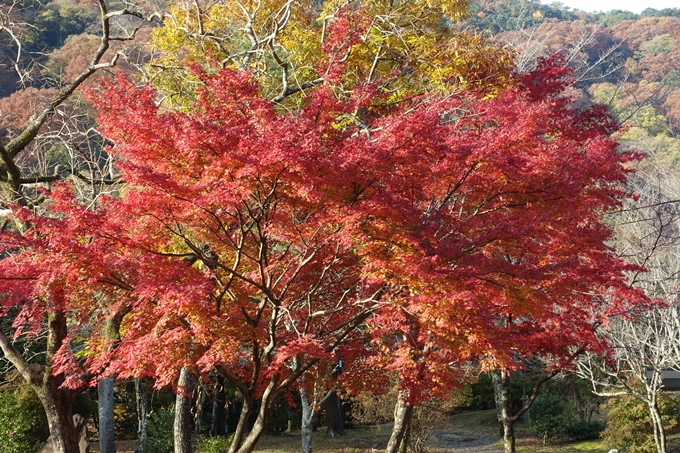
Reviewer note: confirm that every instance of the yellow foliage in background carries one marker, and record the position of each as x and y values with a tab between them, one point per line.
407	47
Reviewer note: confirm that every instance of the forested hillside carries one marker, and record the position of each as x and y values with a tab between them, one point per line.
630	62
627	61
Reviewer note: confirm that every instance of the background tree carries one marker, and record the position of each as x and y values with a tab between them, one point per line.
411	47
25	149
644	341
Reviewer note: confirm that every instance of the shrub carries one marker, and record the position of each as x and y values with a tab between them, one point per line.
370	409
547	416
427	419
214	444
23	425
159	432
585	430
629	422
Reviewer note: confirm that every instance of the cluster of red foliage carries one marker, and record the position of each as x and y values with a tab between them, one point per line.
259	243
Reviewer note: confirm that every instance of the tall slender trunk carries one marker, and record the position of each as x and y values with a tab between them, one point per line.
498	398
105	387
335	425
182	426
504	407
105	408
653	386
200	405
306	425
402	418
142	414
219	410
506	411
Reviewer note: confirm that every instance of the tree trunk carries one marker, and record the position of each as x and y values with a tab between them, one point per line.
63	433
142	414
506	413
105	389
402	418
182	426
306	424
105	411
406	441
498	398
267	405
57	401
653	386
657	423
335	425
219	410
242	425
200	405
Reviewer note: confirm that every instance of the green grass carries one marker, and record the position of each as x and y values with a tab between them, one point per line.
536	446
482	423
354	441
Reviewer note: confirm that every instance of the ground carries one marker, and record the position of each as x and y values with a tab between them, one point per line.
465	432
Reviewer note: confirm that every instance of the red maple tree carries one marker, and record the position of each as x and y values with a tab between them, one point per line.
257	243
504	253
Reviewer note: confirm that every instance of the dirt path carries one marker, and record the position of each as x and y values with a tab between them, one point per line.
464	442
470	431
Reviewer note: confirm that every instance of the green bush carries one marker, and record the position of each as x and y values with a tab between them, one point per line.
159	432
585	430
215	444
547	416
23	425
629	423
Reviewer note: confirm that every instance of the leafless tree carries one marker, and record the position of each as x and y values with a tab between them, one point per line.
24	165
532	42
644	344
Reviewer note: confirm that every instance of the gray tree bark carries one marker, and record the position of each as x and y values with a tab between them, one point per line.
402	418
105	411
142	414
659	430
105	387
306	425
182	426
506	413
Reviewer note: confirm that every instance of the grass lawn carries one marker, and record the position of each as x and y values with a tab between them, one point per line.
533	445
356	440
